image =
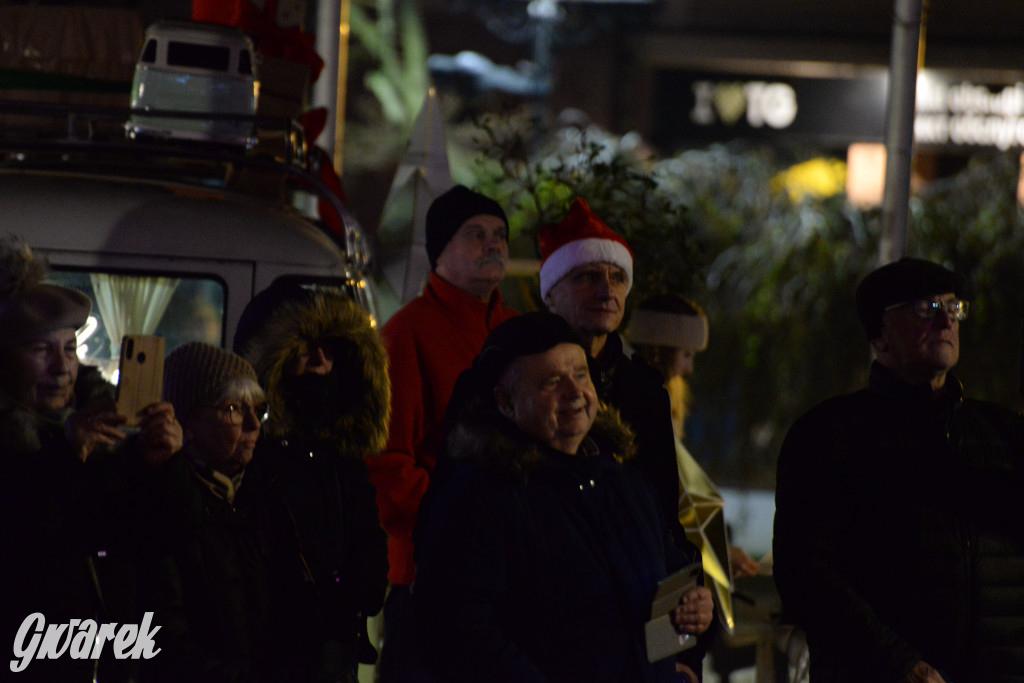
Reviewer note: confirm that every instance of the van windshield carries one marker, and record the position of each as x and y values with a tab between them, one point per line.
180	309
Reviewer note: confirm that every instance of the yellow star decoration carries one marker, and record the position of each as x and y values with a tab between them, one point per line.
700	513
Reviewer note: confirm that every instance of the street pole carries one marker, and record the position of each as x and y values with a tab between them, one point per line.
907	52
332	38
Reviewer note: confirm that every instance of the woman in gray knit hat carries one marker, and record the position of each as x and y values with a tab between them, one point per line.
231	589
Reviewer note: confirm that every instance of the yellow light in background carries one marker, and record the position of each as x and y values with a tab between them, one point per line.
819	178
865	174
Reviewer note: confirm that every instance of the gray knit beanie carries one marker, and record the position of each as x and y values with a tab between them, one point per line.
195	372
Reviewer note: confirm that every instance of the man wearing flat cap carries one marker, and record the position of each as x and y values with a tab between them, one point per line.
898	541
429	342
542	552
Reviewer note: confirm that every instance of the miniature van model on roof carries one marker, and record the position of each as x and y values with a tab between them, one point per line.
204	72
162	238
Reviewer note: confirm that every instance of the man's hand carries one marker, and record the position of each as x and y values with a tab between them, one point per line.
923	673
160	434
695	611
91	427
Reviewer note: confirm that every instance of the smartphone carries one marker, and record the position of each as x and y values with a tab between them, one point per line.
140	376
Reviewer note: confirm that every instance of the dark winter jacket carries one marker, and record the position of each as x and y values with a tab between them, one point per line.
898	534
536	565
230	591
67	542
313	451
637	391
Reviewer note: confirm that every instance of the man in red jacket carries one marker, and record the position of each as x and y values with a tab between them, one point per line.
430	341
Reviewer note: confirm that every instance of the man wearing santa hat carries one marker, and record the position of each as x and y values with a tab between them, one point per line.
585	274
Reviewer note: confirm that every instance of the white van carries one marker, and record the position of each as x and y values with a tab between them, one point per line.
160	239
207	73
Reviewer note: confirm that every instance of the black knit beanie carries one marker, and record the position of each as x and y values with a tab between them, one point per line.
449	211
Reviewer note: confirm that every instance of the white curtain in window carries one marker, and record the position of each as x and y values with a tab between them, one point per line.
130	304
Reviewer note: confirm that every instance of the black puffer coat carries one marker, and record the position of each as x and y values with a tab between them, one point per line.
536	565
313	450
899	534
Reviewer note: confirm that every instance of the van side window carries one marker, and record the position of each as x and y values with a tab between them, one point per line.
149	52
244	63
195	56
181	308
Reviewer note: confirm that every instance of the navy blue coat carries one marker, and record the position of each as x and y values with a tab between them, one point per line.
536	565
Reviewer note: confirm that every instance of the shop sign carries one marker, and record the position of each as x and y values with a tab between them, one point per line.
967	114
698	108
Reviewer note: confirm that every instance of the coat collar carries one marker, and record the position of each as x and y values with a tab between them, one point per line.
461	304
883	381
492	441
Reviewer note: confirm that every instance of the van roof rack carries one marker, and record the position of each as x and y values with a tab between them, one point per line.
91	140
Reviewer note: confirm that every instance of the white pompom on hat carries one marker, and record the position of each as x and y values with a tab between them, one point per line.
580	238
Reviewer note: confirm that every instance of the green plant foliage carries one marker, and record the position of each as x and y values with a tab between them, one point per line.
775	275
973	223
537	186
779	280
391	32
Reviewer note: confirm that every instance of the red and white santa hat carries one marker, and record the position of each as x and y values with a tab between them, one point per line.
580	238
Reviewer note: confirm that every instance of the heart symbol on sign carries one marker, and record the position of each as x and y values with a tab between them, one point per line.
730	102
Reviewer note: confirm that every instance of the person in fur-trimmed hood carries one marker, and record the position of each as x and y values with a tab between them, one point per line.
541	554
324	369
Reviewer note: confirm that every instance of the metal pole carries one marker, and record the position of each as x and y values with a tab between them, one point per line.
344	31
907	49
332	36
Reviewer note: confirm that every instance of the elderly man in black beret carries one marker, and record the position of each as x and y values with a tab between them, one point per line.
899	547
541	554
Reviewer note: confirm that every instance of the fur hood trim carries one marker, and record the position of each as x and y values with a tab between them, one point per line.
20	426
363	430
489	439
